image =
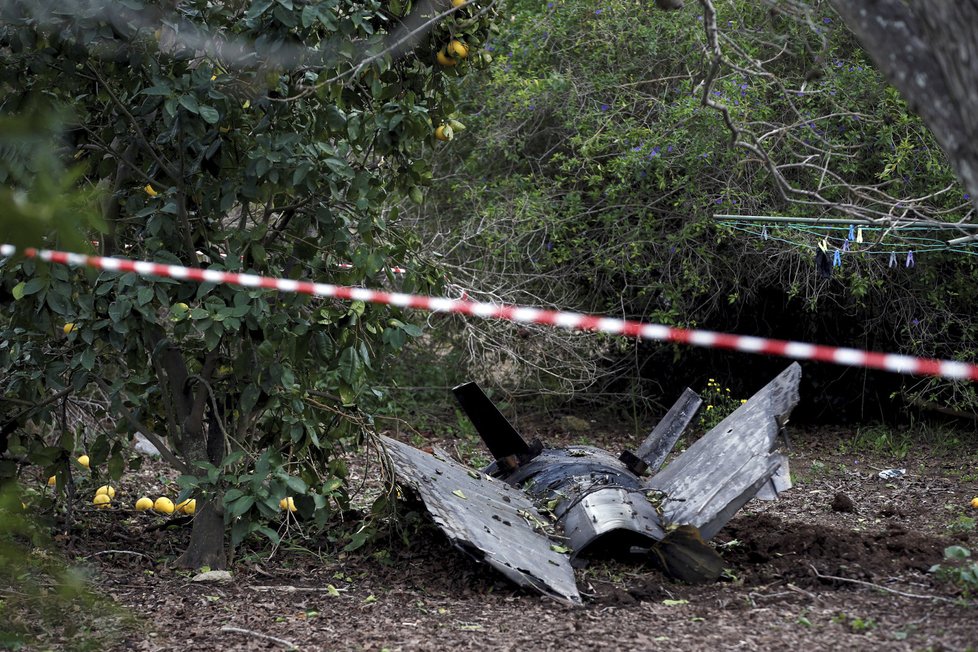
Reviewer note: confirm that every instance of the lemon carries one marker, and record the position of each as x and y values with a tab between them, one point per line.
444	132
444	60
974	502
458	3
67	328
53	480
458	49
143	504
84	461
188	506
108	490
102	501
287	503
163	505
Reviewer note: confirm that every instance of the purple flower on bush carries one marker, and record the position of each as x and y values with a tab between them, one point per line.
826	20
605	107
597	12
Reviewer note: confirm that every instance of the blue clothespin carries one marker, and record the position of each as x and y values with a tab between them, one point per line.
852	232
845	246
893	259
837	259
910	261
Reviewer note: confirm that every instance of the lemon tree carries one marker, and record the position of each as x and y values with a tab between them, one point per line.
274	137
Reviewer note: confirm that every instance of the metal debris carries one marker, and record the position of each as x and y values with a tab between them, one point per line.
487	519
536	509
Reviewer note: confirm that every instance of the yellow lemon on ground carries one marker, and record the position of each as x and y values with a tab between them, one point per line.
444	60
53	480
144	504
108	490
974	502
70	326
102	501
163	505
458	3
459	49
84	461
287	503
188	506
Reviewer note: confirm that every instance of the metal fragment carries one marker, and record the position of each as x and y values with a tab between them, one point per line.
493	522
707	484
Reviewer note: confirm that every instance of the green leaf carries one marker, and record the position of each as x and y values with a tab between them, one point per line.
956	552
350	366
296	485
232	494
116	466
240	529
270	533
239	506
33	286
190	103
160	90
209	114
18	291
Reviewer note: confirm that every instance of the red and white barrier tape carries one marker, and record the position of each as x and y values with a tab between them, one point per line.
902	364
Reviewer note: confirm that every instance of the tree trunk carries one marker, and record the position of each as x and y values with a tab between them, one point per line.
929	52
207	538
194	443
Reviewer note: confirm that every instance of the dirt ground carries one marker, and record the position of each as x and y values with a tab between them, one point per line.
781	589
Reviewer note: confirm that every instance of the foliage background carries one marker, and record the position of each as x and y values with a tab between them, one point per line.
590	173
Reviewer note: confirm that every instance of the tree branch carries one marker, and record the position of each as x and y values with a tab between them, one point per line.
165	452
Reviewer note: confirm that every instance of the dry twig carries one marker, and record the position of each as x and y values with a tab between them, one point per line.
881	588
247	632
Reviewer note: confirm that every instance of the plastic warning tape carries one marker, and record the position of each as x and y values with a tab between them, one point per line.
902	364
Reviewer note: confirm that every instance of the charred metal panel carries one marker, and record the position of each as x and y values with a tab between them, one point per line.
592	493
725	468
657	446
500	437
486	518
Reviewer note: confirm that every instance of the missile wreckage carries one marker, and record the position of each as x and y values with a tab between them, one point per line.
536	512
